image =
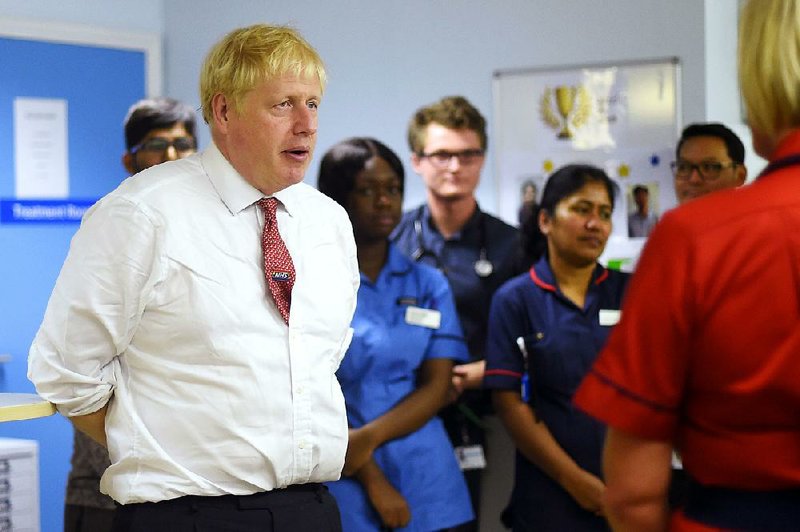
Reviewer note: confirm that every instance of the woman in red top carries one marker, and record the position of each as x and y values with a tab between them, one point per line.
706	357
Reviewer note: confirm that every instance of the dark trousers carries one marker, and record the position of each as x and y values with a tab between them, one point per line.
301	508
87	519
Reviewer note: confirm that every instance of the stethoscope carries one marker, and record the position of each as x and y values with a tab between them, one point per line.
483	266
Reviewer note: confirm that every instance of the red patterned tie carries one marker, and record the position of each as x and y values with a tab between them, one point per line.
278	266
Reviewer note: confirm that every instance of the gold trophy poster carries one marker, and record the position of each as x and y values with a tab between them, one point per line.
623	118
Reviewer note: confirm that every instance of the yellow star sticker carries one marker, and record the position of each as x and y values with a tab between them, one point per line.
624	170
548	165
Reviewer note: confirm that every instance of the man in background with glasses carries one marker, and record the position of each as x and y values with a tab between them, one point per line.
709	157
156	130
476	251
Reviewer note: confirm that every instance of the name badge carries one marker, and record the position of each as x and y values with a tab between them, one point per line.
424	317
280	276
470	457
609	317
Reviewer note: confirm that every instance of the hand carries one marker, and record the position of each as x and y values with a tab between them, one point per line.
390	505
466	377
587	490
359	450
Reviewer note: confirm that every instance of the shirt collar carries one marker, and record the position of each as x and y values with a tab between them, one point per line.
471	223
397	264
233	189
543	277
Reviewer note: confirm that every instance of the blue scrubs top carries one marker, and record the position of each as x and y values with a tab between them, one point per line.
456	256
380	370
562	341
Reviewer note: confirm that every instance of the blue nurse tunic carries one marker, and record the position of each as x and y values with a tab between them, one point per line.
379	371
562	341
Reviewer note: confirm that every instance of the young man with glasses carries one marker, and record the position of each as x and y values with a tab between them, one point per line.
709	157
476	251
156	130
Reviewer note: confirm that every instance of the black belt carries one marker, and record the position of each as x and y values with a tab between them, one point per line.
743	509
260	500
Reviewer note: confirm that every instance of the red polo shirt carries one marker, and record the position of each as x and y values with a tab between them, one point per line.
707	353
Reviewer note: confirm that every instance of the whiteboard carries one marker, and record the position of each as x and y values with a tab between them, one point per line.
623	118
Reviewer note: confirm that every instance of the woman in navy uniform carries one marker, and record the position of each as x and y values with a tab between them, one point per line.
545	329
396	373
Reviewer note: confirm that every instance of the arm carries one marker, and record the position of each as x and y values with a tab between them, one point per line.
637	472
93	425
536	443
387	501
466	377
407	416
92	313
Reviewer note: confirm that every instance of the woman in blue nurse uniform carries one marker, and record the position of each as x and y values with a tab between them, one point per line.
400	471
546	328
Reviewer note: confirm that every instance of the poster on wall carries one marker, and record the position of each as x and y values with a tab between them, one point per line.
623	118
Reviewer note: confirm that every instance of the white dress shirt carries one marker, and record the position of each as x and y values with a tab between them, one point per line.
162	308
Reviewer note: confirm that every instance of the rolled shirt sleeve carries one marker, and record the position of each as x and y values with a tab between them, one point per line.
95	307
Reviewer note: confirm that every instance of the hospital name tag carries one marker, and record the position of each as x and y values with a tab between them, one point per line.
609	317
470	457
424	317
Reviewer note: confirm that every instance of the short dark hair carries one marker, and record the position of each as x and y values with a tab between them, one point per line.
562	183
343	161
640	188
733	143
156	113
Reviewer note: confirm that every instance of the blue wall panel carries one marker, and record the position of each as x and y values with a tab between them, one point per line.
99	85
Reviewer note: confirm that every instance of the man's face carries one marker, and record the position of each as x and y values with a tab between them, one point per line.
712	150
158	146
271	139
641	197
452	162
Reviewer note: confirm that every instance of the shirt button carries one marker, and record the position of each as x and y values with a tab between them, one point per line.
302	445
301	390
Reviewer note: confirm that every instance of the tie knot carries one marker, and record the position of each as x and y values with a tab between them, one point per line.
269	206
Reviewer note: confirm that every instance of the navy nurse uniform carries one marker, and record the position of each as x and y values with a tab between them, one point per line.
380	370
561	341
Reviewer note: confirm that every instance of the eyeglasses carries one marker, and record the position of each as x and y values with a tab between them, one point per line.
160	145
442	158
707	170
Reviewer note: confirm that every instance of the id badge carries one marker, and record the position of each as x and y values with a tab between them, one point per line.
470	457
424	317
609	317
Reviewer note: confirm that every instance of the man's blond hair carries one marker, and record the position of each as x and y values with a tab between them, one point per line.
248	56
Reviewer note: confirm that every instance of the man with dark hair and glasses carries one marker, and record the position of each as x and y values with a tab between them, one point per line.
158	130
476	252
709	157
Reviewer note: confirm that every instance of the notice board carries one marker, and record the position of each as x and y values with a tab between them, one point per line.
623	118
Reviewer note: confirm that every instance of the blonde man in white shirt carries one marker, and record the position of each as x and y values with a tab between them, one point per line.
162	339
